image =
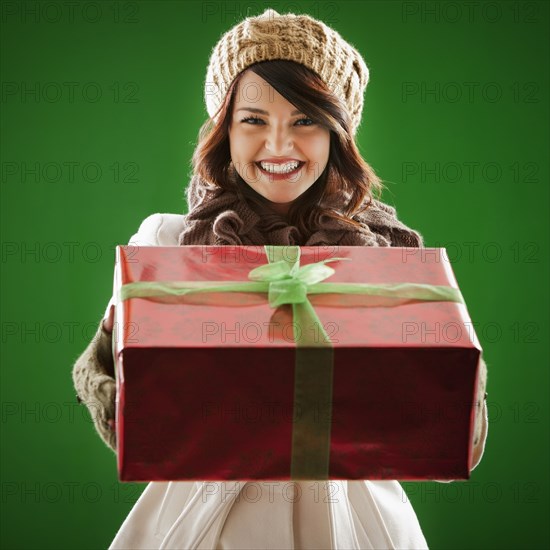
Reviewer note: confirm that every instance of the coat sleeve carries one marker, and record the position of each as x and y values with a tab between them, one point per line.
93	372
159	230
94	382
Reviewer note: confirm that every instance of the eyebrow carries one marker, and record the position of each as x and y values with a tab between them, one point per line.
262	112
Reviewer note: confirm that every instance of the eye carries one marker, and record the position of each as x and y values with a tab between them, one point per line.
256	119
249	118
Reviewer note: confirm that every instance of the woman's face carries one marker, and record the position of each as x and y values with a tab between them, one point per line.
266	127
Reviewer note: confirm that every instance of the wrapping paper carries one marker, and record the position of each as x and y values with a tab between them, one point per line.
208	383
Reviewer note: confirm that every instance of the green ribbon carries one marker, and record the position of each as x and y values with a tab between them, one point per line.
286	282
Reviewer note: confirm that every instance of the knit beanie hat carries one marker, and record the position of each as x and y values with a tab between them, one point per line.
298	38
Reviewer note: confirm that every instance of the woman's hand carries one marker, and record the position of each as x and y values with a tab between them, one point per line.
108	321
481	415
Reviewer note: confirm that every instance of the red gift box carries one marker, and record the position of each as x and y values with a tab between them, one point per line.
218	384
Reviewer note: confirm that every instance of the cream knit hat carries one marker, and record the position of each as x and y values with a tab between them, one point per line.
292	37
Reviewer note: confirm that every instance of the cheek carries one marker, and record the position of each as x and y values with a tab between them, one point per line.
318	148
240	145
318	143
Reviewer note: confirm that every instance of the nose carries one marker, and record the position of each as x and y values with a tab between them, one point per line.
279	140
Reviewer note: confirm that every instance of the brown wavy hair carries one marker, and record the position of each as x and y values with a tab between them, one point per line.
346	186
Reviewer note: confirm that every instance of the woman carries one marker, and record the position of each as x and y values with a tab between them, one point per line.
275	164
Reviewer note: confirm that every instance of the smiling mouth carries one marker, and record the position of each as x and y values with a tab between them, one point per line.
280	175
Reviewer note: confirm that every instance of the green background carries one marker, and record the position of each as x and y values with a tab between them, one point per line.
138	71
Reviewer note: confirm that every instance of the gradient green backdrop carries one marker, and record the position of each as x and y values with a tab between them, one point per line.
456	124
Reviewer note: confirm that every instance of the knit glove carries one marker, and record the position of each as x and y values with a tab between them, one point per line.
94	380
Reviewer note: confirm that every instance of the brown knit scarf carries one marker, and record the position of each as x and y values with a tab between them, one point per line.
219	217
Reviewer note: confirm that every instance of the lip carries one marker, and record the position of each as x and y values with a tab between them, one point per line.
280	160
277	177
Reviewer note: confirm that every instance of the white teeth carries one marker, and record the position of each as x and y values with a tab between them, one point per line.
280	168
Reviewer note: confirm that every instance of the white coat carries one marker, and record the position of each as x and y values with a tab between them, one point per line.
276	514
